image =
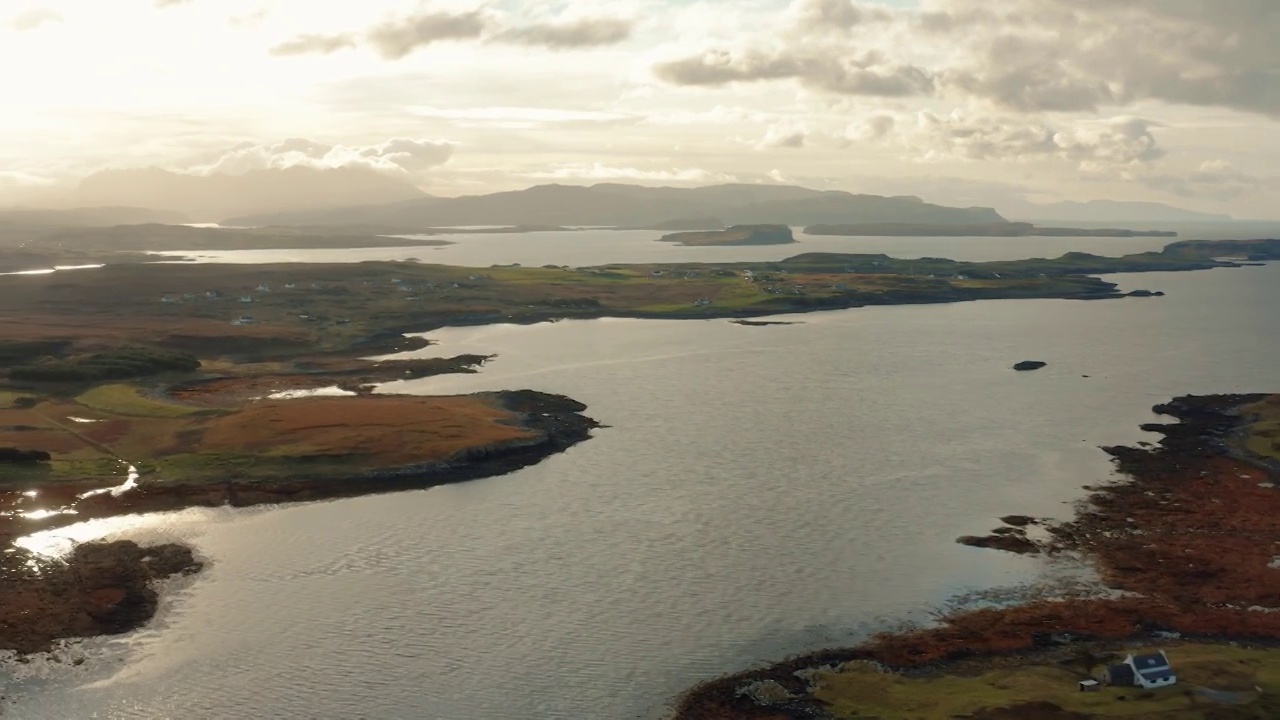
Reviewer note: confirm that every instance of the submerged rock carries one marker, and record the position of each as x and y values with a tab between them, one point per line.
1009	542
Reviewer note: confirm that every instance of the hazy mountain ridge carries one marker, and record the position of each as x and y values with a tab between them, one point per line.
1107	211
208	198
615	204
88	216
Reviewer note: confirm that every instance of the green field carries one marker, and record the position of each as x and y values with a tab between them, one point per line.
859	691
131	401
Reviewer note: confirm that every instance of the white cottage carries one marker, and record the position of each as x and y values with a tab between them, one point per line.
1148	671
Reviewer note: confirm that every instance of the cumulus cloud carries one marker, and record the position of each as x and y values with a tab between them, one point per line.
1022	55
1215	179
868	73
396	156
581	33
838	15
783	135
398	37
32	19
1100	147
599	171
312	44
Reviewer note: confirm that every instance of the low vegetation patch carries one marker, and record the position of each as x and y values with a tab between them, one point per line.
861	690
132	402
118	364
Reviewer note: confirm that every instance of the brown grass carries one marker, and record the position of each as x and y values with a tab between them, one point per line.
398	430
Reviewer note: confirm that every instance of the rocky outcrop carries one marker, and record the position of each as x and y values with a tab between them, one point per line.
101	589
1014	542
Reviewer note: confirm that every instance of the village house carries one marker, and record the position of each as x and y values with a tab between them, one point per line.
1147	671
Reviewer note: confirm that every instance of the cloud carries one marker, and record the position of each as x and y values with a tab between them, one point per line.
1027	56
581	33
1104	147
171	3
599	171
32	19
398	37
517	117
869	73
835	15
396	156
18	178
783	135
1215	179
1080	54
312	44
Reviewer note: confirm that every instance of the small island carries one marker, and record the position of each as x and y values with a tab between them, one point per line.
735	235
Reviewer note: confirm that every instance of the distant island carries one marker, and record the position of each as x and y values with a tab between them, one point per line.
1006	229
736	235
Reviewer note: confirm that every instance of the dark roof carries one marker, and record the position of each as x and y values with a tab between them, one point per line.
1156	675
1120	674
1151	661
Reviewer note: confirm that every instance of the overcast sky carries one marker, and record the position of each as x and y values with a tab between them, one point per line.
955	100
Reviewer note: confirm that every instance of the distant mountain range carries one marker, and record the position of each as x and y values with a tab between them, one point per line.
613	204
87	217
360	197
1106	211
209	198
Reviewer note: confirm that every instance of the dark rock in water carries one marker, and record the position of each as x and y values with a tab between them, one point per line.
1029	365
1145	293
1018	520
1009	543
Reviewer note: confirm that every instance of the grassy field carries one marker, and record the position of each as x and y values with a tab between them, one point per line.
91	436
860	691
132	401
1264	433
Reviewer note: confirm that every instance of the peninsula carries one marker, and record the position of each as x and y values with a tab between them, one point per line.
1188	540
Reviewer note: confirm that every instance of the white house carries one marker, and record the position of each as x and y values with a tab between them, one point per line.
1148	671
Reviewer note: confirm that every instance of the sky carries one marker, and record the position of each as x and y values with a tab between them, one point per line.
959	101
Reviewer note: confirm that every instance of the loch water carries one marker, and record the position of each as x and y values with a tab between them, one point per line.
758	491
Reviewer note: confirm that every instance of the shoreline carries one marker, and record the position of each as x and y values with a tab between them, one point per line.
104	588
1182	539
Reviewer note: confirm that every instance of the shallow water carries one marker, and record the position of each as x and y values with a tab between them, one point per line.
602	247
760	491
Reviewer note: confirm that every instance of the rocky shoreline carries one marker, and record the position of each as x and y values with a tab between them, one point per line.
1186	545
105	588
